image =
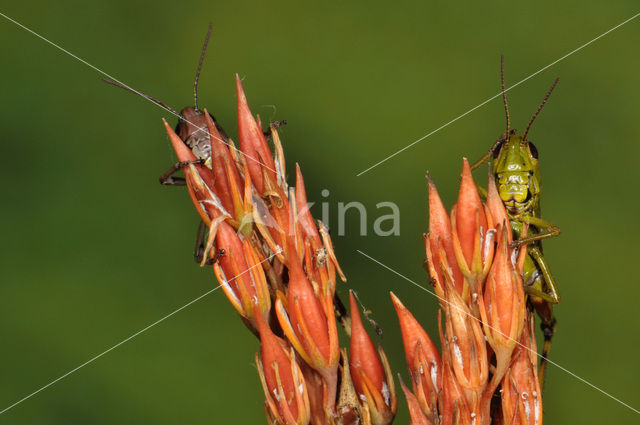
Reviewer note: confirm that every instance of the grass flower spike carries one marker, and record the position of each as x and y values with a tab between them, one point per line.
485	353
277	267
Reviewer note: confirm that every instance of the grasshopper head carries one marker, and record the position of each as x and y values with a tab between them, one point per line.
517	174
191	123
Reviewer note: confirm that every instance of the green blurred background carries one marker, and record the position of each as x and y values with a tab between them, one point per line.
93	249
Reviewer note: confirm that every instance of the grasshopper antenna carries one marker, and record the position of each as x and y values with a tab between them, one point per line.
195	82
546	97
146	96
504	137
504	95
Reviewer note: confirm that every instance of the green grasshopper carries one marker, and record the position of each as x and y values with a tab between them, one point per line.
517	174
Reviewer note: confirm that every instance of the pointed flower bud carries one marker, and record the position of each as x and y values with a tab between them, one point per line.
465	349
308	322
415	412
503	304
350	410
228	183
241	275
316	391
472	240
253	143
472	219
423	359
284	387
440	250
502	308
321	264
521	393
455	408
370	375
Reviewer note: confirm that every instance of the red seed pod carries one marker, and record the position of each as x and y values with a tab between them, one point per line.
415	412
309	323
423	359
321	263
370	372
521	393
502	310
471	221
253	143
282	380
440	245
240	274
472	233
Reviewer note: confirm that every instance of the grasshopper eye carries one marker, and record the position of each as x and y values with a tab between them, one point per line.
533	150
497	149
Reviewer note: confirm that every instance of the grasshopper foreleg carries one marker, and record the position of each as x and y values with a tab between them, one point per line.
168	179
547	230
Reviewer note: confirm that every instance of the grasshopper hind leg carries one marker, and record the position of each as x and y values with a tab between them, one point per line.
548	325
541	288
199	250
548	329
